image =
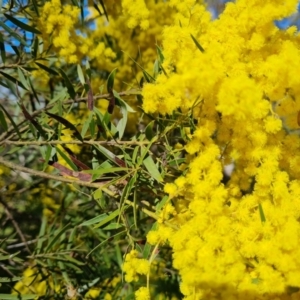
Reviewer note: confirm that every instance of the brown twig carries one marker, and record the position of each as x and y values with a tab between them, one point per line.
15	224
10	66
54	177
88	142
7	270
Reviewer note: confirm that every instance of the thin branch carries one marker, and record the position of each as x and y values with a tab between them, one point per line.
83	99
15	224
88	142
11	66
54	177
28	242
69	101
7	270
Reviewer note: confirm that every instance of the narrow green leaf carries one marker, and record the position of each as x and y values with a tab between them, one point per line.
6	86
10	256
105	241
102	170
33	130
71	260
111	216
149	131
104	9
134	154
35	7
34	47
15	48
47	69
261	213
105	165
12	33
94	220
33	90
23	79
155	69
88	70
62	267
47	156
122	122
127	190
42	232
72	238
67	159
106	152
80	74
13	150
58	234
144	150
58	99
86	125
113	226
8	279
147	251
33	122
147	76
110	86
197	44
152	169
82	12
130	185
3	121
106	118
135	207
12	79
120	102
161	203
110	80
22	25
92	127
97	9
67	124
2	49
41	46
88	285
99	172
160	54
68	83
98	194
11	121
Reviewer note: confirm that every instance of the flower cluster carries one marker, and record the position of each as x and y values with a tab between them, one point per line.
59	25
57	22
133	266
236	240
137	12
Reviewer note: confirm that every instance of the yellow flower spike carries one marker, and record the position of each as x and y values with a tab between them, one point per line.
272	124
142	293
